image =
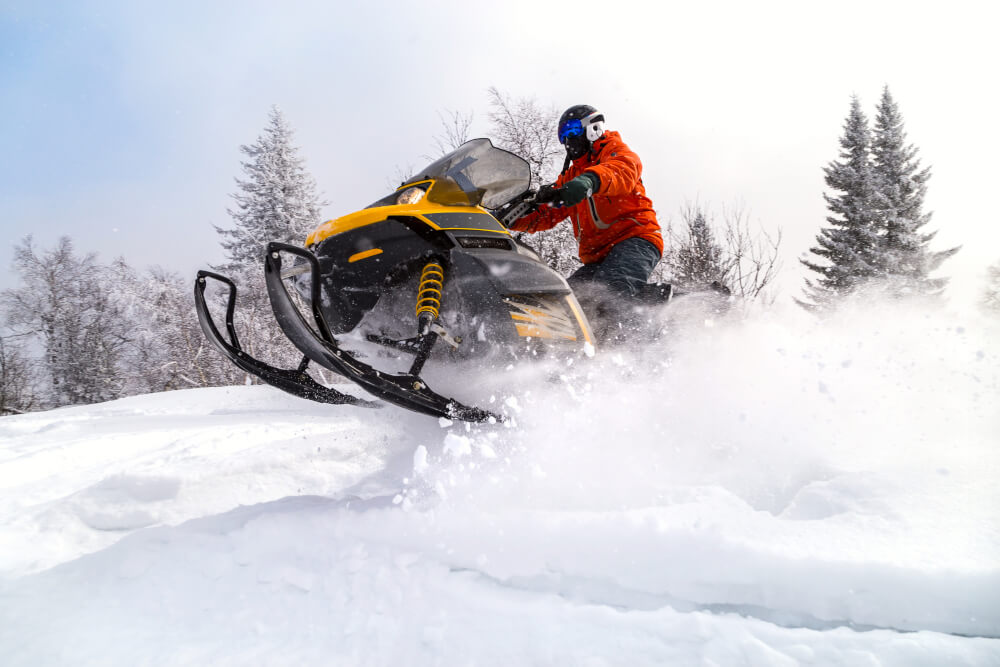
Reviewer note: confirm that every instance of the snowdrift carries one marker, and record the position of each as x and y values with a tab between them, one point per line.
764	491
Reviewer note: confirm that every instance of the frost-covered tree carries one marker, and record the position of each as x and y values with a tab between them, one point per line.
276	202
702	251
525	128
66	305
848	249
904	256
991	295
17	385
168	349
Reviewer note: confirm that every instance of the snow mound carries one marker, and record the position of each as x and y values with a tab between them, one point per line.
771	490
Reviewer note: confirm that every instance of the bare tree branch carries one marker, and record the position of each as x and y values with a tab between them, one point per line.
524	128
700	251
455	132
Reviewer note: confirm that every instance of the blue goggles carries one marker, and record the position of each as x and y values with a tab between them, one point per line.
571	128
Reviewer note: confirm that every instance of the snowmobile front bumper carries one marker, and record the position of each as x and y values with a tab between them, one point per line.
406	390
295	382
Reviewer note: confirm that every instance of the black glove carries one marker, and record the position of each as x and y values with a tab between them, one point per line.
581	187
547	194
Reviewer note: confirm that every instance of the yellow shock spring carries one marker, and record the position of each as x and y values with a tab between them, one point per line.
429	292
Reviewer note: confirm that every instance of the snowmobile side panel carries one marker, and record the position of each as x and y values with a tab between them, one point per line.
465	219
510	272
295	382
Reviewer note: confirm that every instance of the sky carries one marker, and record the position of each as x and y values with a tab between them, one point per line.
122	121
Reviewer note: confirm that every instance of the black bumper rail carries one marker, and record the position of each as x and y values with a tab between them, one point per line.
404	389
295	382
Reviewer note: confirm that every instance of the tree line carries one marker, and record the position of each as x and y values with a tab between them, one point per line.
77	331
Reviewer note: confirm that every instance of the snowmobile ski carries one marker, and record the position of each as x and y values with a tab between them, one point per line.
295	382
407	390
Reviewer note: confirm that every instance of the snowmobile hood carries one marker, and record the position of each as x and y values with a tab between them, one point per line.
437	217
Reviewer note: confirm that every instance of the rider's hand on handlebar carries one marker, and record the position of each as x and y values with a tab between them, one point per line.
580	188
547	194
571	193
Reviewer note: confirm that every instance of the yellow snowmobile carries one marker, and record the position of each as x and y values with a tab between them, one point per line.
429	272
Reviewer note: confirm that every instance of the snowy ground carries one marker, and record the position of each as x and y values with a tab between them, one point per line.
761	492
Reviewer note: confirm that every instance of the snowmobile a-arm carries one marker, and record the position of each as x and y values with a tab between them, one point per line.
407	390
295	382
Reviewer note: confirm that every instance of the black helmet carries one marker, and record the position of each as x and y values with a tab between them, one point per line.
579	127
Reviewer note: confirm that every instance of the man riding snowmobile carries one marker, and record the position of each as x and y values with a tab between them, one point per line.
600	190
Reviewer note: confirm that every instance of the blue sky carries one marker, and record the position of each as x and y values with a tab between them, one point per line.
63	103
123	120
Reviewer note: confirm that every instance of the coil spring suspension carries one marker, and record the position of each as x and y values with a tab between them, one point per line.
429	296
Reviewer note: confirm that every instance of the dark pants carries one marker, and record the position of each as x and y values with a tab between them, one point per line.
623	271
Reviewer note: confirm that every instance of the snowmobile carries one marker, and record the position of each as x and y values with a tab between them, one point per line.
428	272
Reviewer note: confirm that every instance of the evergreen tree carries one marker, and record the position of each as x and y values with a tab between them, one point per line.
276	202
901	185
850	245
695	258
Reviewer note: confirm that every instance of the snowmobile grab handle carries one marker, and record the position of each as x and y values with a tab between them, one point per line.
207	322
294	381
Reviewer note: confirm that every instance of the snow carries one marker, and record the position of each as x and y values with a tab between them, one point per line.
764	491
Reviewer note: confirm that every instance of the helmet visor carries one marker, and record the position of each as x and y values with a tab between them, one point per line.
571	128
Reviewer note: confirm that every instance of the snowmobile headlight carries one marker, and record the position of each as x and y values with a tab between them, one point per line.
410	196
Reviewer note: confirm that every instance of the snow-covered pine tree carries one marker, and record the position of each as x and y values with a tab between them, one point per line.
276	202
694	257
849	246
904	257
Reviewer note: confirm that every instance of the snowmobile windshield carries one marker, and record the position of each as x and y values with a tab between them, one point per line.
476	173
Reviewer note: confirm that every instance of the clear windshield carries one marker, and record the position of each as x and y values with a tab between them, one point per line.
476	173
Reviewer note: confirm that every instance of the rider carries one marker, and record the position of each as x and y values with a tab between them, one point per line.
600	190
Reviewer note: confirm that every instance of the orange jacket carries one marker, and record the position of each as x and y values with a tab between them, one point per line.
618	210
